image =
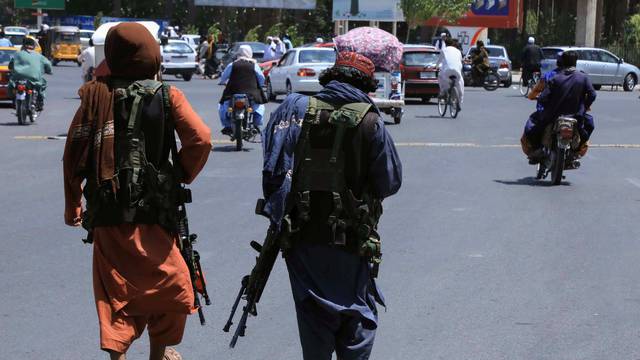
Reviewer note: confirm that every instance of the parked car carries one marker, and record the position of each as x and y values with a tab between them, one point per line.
178	58
192	39
258	49
6	53
419	71
298	71
602	67
85	36
498	60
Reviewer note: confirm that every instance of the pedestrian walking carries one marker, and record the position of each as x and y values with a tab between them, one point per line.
119	145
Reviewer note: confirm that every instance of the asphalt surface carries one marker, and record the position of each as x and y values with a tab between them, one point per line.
481	261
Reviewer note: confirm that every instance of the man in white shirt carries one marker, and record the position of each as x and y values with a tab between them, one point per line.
450	63
88	60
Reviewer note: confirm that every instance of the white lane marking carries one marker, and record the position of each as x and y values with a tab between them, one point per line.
634	182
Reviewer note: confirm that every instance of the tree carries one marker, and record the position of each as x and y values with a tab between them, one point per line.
416	12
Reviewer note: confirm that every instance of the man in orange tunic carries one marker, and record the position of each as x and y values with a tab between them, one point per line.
139	276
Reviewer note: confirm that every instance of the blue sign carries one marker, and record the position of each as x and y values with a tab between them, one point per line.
490	7
81	21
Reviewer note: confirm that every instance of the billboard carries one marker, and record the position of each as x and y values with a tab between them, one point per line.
497	14
277	4
367	10
40	4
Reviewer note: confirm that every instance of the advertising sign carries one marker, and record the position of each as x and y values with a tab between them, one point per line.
367	10
40	4
277	4
468	36
497	14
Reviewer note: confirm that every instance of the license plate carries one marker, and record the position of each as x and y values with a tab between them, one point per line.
427	75
21	96
179	59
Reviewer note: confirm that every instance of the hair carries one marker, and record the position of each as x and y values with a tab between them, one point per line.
480	44
28	42
569	59
559	63
90	42
448	41
349	75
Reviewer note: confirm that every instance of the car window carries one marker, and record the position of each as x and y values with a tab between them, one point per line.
177	48
316	56
5	56
608	58
285	59
421	58
588	55
551	53
15	39
495	52
257	47
67	37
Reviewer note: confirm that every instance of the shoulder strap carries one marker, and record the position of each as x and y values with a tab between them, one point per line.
315	107
171	128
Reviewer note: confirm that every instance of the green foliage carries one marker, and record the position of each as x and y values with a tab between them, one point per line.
275	30
416	12
632	27
98	19
253	34
214	30
294	36
190	29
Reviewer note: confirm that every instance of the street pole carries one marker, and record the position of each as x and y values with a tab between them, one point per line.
395	29
39	18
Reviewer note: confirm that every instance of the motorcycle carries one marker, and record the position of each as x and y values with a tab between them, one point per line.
561	142
26	97
241	113
491	80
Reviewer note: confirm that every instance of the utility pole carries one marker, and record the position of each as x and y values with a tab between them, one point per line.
586	22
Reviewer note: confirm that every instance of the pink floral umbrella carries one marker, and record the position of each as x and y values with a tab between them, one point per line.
384	49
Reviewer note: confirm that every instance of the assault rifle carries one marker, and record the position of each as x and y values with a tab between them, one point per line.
191	257
253	285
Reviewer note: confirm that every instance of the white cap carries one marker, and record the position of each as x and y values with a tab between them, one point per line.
532	40
443	35
319	40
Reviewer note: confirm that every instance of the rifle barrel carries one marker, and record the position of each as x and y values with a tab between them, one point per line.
234	308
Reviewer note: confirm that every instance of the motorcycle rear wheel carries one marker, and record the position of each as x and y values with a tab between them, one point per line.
21	110
238	134
558	167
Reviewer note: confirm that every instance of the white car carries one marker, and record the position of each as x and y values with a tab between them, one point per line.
178	58
16	35
192	40
85	36
298	71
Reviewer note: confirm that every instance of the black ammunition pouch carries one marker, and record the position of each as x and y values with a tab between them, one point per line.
144	188
321	198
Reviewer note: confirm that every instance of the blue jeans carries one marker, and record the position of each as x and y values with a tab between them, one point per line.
258	113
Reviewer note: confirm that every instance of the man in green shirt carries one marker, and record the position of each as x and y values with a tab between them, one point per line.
28	65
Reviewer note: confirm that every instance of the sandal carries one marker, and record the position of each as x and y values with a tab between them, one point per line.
171	354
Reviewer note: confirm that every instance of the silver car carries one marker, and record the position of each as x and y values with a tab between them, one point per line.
603	67
498	60
298	71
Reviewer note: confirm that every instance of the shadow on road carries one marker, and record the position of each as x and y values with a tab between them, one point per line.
229	149
14	123
530	181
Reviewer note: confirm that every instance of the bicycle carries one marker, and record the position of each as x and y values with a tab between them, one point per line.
450	100
524	90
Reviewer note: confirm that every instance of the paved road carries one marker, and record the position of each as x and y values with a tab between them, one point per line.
481	261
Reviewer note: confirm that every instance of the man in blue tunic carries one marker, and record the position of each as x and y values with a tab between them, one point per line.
328	163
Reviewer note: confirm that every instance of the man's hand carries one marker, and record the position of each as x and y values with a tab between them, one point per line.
74	220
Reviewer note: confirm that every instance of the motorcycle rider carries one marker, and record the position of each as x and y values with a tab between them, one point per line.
243	76
479	62
344	155
569	92
28	65
450	64
531	59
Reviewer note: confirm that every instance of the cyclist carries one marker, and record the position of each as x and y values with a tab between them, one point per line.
479	62
531	60
450	64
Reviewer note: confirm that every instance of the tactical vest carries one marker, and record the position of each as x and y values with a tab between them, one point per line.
243	81
144	187
323	206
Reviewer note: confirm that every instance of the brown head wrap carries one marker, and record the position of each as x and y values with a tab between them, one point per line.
132	52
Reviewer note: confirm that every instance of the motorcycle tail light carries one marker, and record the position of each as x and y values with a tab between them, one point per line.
566	133
304	72
239	104
250	109
21	87
230	109
29	91
504	65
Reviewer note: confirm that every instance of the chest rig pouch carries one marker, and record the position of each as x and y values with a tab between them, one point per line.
319	174
143	188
